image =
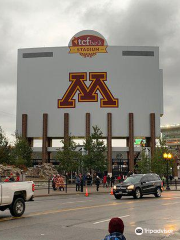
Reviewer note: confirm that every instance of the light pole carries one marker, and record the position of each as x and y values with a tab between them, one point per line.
167	157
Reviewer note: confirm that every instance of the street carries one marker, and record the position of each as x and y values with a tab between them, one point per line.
78	217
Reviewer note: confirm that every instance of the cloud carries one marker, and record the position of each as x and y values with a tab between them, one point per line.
146	23
39	23
26	24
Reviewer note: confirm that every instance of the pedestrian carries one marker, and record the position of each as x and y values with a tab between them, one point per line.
22	176
17	177
84	179
112	181
77	181
116	229
171	178
57	181
61	183
89	179
97	182
53	182
108	180
6	179
119	178
163	179
129	173
11	178
105	181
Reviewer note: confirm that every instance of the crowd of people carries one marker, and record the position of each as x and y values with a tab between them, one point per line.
58	182
12	178
97	179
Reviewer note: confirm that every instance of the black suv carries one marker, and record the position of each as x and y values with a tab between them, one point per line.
138	185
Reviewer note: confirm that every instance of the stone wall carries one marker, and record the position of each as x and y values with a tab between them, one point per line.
44	171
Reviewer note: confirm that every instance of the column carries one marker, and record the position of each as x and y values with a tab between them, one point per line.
87	125
45	139
24	125
66	128
49	140
109	142
153	135
131	142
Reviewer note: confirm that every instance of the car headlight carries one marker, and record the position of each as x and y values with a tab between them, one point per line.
131	187
114	187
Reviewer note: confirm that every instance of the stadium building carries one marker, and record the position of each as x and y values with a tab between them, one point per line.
67	90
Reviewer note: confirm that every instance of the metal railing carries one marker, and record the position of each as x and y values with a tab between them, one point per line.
172	183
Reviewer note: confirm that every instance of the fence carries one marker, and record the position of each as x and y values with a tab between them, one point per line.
45	186
173	184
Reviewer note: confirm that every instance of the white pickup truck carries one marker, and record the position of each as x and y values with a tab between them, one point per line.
13	195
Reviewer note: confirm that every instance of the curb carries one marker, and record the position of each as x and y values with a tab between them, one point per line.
68	194
81	193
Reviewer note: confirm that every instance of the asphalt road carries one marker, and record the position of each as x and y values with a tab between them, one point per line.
78	217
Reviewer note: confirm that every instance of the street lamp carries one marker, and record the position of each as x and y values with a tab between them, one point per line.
167	157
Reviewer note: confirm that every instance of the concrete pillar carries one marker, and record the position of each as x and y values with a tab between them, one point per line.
49	140
153	134
88	125
45	139
109	142
24	125
66	128
131	142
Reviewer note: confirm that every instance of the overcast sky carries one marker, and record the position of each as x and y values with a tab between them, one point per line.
39	23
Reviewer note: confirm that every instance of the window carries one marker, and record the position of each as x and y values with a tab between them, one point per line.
150	178
156	177
144	179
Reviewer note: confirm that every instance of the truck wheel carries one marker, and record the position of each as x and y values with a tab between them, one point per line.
158	192
18	207
118	196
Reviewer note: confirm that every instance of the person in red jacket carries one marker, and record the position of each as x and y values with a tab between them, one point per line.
105	181
7	179
17	177
119	178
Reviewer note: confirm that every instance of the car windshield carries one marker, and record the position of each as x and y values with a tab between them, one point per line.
133	179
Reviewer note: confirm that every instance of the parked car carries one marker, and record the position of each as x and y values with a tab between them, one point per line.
138	185
13	196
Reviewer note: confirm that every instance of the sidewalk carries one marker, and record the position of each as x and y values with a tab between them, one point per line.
71	190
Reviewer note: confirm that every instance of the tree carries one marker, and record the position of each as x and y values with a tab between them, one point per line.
96	158
155	164
21	153
5	149
144	165
159	164
69	159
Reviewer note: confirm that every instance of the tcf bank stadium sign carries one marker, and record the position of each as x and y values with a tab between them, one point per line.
87	45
